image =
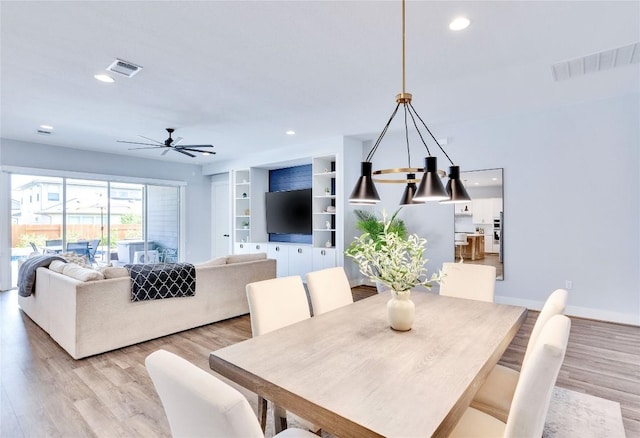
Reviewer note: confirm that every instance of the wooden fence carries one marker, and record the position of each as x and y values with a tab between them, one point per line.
21	235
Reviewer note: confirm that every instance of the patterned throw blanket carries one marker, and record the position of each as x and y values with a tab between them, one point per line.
162	280
27	272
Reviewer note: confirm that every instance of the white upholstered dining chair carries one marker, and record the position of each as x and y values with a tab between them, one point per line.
274	304
198	404
467	280
495	395
533	392
328	290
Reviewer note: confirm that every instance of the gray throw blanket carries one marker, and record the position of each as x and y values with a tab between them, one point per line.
27	272
162	280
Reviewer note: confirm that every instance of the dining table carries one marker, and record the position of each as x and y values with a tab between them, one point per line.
347	372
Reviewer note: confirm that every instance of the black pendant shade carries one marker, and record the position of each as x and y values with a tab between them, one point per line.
455	189
430	188
409	192
365	191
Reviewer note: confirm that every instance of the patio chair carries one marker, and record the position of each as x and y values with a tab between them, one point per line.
81	248
93	247
35	247
53	246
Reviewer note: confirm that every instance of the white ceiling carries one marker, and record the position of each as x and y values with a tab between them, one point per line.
238	74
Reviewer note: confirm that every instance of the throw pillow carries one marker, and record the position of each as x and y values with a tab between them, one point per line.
218	261
81	273
73	257
57	266
114	272
239	258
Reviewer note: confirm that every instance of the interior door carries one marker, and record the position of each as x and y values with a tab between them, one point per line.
221	212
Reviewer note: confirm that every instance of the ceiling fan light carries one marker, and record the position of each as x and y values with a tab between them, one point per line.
455	189
431	187
365	191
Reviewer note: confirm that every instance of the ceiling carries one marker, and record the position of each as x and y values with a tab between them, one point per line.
238	74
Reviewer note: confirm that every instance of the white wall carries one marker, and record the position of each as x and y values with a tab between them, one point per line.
571	204
198	192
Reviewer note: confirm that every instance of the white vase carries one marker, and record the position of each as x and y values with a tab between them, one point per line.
401	311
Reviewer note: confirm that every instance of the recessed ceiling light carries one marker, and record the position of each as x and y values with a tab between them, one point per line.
476	183
290	132
104	78
206	153
46	127
494	179
459	23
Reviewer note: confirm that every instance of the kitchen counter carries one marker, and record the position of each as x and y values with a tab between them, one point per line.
474	250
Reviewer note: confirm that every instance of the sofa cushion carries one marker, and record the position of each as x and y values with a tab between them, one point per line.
114	272
57	266
239	258
80	273
218	261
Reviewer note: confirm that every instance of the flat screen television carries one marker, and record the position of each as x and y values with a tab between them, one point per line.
289	212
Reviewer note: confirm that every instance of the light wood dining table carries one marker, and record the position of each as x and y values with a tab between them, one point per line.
349	373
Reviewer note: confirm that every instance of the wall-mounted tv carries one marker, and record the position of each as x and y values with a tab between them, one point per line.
289	212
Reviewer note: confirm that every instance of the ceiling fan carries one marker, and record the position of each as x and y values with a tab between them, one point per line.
171	144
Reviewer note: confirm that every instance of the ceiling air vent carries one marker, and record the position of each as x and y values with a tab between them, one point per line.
124	68
613	58
43	132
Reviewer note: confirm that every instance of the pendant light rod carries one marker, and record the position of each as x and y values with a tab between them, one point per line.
403	55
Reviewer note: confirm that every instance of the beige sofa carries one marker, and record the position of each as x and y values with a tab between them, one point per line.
92	317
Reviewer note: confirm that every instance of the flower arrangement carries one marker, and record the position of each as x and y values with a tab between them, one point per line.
392	259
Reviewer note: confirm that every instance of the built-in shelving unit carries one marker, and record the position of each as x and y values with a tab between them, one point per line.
292	258
242	206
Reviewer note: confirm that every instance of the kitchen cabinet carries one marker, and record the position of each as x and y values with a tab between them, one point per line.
485	210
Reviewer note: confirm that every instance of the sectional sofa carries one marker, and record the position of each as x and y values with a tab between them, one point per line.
91	317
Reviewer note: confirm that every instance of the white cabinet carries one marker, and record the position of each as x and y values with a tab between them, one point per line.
241	248
482	211
280	253
323	258
300	260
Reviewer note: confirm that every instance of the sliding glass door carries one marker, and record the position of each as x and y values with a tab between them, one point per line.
109	221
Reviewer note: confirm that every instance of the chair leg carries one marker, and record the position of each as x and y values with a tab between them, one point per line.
279	419
262	412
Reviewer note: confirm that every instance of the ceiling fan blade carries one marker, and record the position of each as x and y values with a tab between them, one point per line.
176	141
195	146
148	147
165	152
195	150
134	142
150	139
183	152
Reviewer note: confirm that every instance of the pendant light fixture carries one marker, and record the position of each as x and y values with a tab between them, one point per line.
431	187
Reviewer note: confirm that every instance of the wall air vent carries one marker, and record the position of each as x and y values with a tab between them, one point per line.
613	58
124	68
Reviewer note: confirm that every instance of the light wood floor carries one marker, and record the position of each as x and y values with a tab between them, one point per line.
45	393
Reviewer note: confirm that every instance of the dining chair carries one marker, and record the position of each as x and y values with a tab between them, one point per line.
496	393
274	304
328	290
81	248
533	391
198	404
467	280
